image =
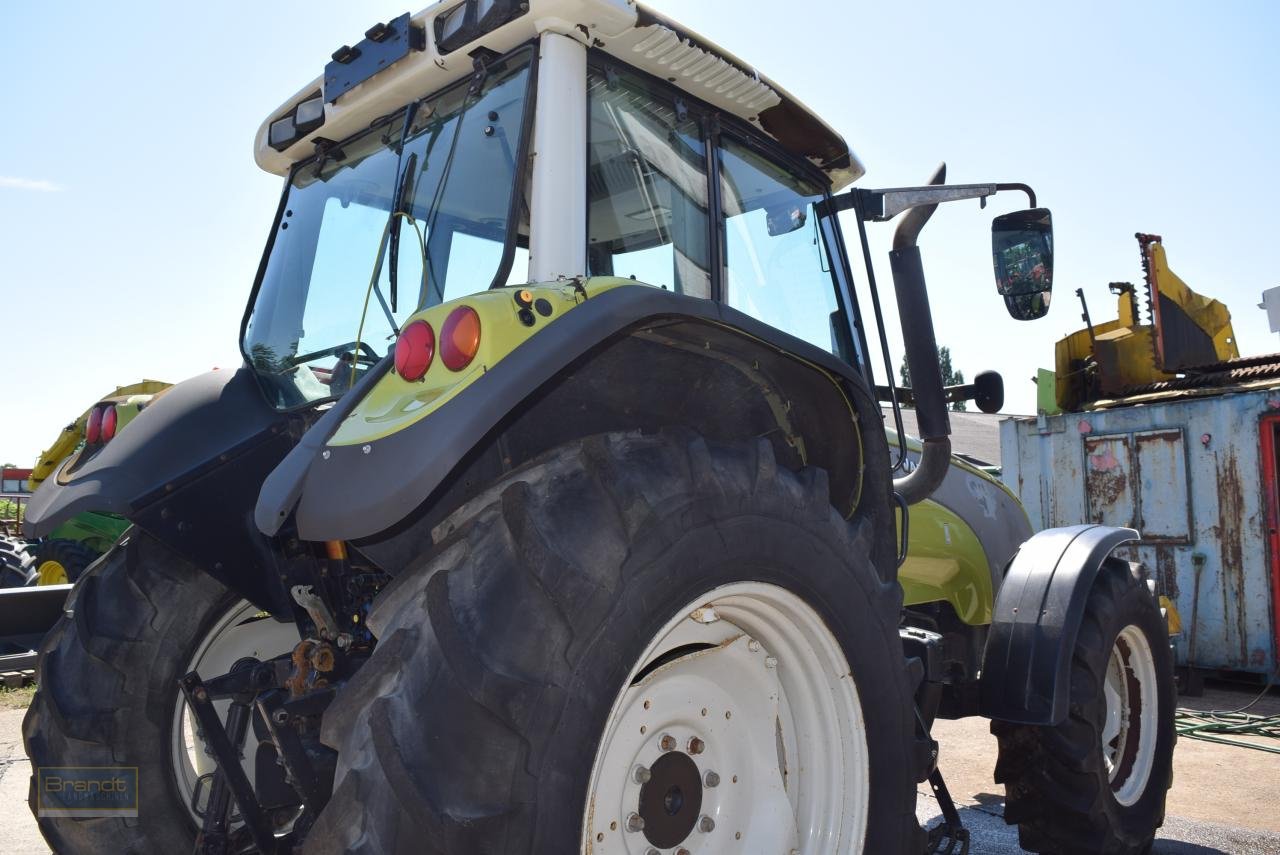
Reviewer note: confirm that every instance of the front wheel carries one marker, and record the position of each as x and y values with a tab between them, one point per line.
636	644
1096	783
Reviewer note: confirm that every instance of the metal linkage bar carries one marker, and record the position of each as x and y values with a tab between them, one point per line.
230	780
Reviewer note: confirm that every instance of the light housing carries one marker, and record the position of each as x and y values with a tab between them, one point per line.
468	21
460	338
109	421
415	349
93	427
305	117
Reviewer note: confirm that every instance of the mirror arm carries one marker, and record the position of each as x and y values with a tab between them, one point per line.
1025	188
952	394
881	205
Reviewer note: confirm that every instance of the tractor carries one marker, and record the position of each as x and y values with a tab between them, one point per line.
69	549
553	508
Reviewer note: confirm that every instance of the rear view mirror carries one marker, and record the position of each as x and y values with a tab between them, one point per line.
988	391
1022	250
785	218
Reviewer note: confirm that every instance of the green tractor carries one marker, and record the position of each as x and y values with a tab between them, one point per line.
553	510
70	547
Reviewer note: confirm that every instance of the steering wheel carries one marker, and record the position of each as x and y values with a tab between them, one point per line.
366	356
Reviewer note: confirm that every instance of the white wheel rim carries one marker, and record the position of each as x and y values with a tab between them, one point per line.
774	704
1129	729
243	631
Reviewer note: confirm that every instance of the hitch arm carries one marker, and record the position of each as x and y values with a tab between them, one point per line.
230	779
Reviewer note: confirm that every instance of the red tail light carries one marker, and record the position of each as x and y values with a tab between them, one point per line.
460	338
93	428
414	350
109	423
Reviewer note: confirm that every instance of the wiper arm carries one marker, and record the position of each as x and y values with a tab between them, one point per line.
402	204
373	286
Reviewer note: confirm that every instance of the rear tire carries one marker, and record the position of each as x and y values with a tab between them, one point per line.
1096	783
476	724
16	564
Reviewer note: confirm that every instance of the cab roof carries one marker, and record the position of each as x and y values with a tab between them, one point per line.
628	31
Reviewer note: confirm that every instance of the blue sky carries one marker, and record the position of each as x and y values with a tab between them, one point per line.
132	216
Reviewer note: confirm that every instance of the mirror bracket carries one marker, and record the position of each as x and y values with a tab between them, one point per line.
878	206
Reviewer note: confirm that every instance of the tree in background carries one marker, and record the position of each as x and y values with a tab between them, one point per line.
950	377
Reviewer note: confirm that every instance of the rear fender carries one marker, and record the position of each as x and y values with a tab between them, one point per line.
609	355
186	470
1026	668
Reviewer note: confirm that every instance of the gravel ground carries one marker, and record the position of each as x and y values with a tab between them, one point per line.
990	836
1234	786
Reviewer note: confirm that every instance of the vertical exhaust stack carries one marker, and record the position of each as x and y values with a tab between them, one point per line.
922	355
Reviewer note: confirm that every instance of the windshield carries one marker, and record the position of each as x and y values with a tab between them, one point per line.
327	308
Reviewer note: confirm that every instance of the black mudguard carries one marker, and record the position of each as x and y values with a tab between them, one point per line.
1026	669
353	492
187	469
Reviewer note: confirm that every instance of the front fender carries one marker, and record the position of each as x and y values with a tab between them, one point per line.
1026	668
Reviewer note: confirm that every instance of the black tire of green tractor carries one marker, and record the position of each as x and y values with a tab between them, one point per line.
108	688
1056	785
474	726
74	556
16	568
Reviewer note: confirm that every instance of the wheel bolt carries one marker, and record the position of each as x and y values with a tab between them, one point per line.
635	822
706	825
641	775
696	745
667	742
682	851
753	646
652	851
711	779
770	662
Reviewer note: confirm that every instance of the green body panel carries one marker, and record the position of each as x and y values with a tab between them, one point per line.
95	530
946	561
394	404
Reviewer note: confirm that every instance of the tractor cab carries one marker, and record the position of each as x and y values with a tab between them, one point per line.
478	145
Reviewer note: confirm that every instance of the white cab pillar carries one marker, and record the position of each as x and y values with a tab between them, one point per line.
558	208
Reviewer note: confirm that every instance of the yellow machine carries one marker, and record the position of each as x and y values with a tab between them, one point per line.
128	400
1186	332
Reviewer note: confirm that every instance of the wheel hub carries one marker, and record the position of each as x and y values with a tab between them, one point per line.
1128	732
752	741
670	803
51	572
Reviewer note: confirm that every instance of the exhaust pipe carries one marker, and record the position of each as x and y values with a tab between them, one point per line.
922	355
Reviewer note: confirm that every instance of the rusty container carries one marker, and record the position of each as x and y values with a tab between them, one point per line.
1196	475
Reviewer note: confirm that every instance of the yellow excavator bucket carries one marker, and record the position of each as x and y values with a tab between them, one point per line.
1187	331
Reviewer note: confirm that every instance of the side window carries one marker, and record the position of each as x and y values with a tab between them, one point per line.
646	189
775	264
